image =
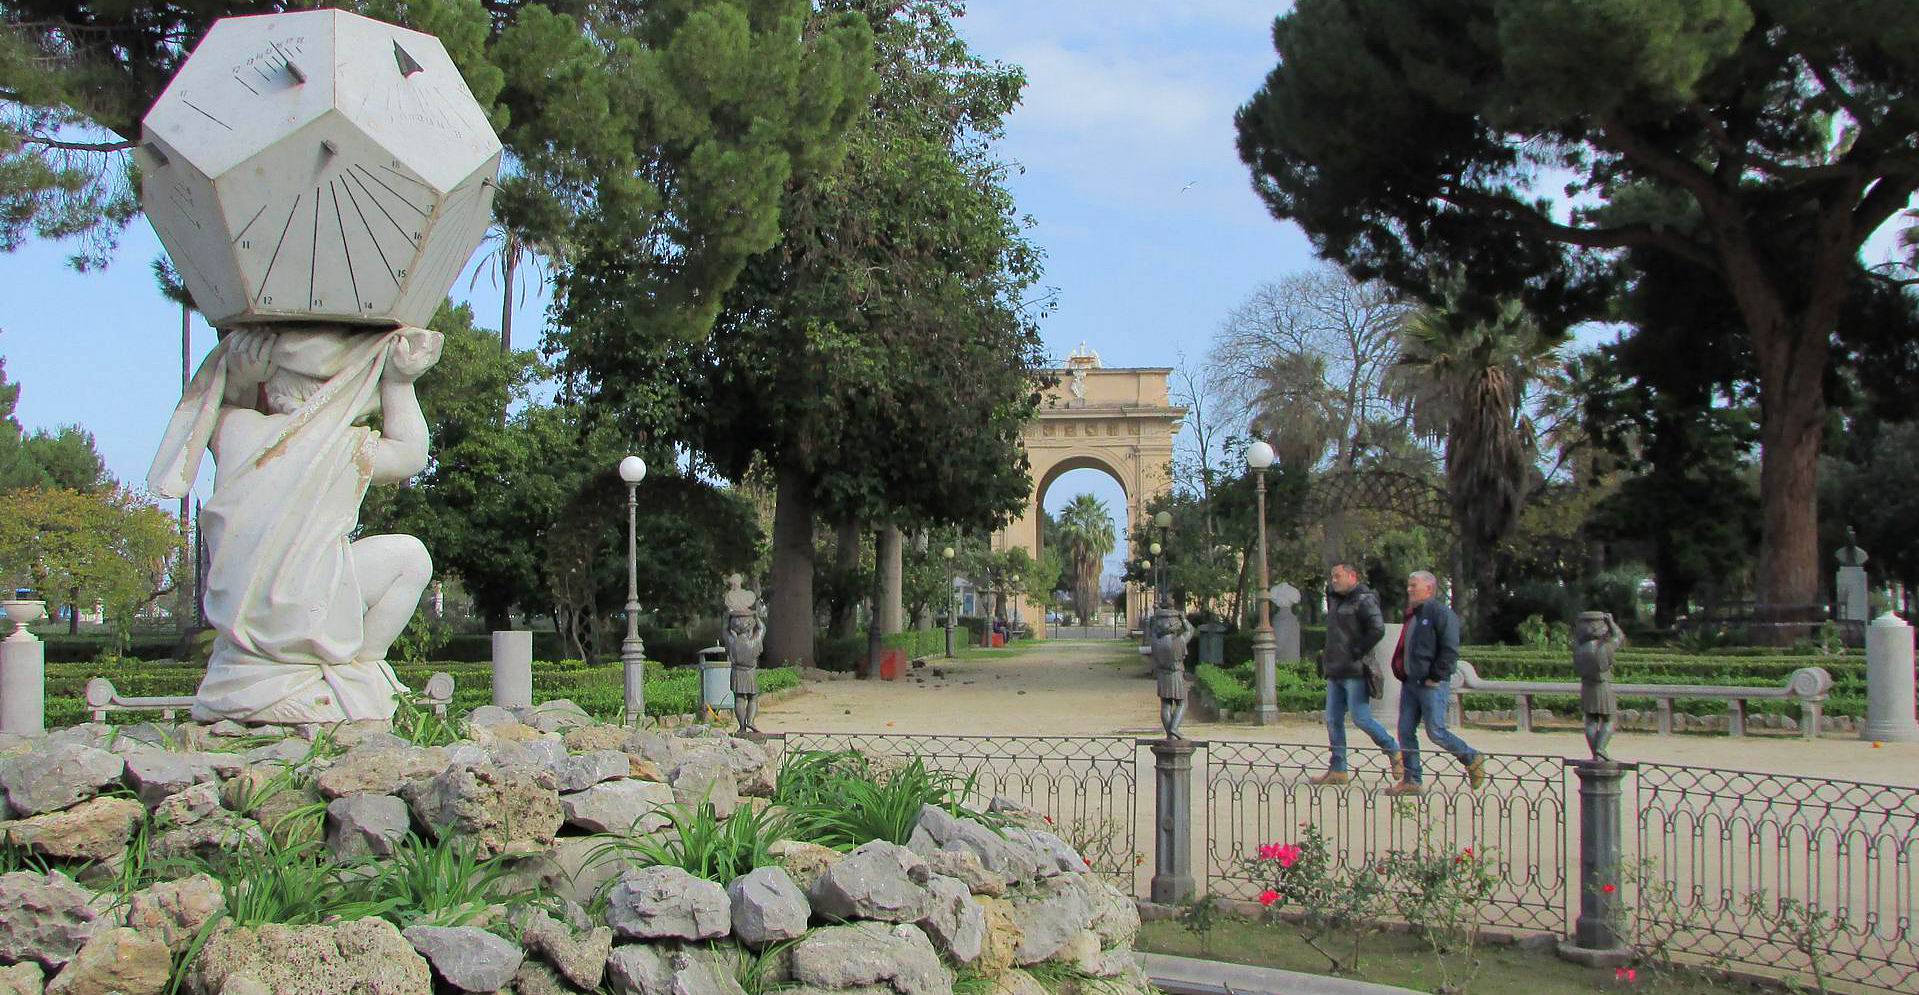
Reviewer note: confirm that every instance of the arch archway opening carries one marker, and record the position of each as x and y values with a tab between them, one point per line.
1055	494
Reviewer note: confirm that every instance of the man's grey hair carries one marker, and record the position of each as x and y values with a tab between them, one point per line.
1424	577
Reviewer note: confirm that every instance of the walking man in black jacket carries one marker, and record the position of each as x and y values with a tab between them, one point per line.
1353	627
1424	661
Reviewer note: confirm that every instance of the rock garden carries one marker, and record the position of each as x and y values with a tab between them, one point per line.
533	851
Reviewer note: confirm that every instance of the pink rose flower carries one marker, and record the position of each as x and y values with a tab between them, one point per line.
1268	897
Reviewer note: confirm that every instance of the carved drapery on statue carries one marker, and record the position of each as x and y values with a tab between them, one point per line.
284	591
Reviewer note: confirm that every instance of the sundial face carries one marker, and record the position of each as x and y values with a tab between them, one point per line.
318	166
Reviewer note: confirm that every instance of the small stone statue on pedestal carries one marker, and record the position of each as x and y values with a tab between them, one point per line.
1170	635
744	637
1595	638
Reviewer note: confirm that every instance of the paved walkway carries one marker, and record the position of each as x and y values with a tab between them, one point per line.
1104	688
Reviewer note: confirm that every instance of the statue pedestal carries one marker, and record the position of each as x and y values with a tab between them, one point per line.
513	669
1172	882
1596	939
1889	682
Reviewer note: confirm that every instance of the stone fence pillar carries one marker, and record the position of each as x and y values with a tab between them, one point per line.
513	669
1889	682
1596	939
1172	882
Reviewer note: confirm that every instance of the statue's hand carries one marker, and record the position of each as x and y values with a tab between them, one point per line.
250	358
415	353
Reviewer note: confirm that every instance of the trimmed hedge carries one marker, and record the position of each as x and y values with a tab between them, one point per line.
598	688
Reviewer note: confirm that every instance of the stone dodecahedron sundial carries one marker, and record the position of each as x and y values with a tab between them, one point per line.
318	165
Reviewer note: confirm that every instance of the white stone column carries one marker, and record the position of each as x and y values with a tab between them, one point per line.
513	669
1386	707
1889	682
23	674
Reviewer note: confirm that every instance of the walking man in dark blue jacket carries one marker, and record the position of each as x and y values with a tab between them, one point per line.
1424	662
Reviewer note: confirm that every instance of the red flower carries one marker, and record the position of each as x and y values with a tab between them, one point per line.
1269	851
1468	852
1625	974
1268	897
1608	889
1287	855
1048	818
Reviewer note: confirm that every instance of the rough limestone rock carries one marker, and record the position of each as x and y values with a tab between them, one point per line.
116	961
22	979
174	911
467	957
367	734
1052	853
283	808
1115	916
546	752
644	969
878	880
869	954
488	716
496	806
365	825
752	766
1088	957
965	865
154	775
188	806
555	716
581	771
380	770
956	924
219	837
805	861
662	750
617	806
361	957
661	903
767	906
47	918
589	739
1002	937
285	751
940	830
575	868
1049	914
58	777
1017	813
535	978
95	829
707	778
579	957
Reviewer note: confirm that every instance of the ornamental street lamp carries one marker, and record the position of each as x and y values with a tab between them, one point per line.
1152	579
632	651
952	599
1259	456
1164	522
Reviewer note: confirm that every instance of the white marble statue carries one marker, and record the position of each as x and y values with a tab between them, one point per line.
304	614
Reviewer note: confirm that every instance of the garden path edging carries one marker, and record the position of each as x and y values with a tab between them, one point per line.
1193	976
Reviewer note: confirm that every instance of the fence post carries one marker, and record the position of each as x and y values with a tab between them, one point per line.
1889	680
513	669
1596	939
1172	882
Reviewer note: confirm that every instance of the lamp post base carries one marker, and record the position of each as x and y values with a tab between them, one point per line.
633	663
1265	677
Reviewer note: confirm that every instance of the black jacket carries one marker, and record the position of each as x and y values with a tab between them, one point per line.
1432	643
1353	627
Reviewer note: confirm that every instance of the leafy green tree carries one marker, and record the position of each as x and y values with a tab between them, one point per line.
67	457
1468	373
17	466
1086	535
879	360
109	546
1437	133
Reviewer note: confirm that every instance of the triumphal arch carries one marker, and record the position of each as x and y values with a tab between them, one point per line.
1119	421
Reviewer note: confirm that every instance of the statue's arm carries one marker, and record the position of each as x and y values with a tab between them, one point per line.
401	451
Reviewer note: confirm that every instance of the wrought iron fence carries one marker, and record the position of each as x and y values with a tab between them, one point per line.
1088	786
1262	793
1790	874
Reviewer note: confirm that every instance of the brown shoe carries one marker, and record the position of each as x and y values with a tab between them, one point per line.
1331	777
1476	772
1398	760
1405	788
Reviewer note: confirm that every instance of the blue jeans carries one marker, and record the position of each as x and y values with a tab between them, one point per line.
1418	703
1345	695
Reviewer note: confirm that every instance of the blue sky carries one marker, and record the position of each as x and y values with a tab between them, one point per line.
1127	104
1125	139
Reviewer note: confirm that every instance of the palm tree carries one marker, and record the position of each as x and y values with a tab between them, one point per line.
507	250
1086	535
1466	373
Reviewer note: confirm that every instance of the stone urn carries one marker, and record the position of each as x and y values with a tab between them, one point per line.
22	613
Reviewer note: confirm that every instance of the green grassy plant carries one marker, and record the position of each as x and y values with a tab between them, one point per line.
843	799
702	844
440	883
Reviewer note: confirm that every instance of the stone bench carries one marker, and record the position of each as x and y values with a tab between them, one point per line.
1808	686
102	698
